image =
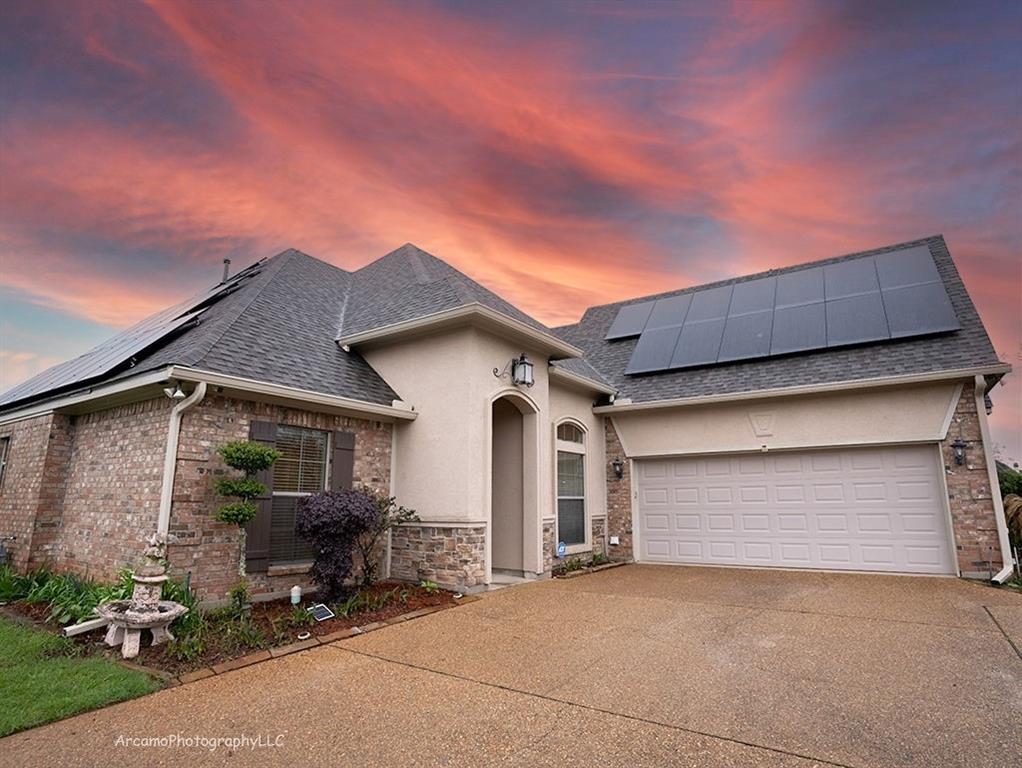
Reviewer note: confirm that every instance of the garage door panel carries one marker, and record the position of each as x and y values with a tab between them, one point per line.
855	509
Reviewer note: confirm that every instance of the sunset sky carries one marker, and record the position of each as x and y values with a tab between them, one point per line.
563	154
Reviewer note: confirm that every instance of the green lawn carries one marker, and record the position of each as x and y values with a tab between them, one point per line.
40	682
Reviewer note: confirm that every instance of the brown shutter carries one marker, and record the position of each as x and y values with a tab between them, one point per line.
257	549
342	464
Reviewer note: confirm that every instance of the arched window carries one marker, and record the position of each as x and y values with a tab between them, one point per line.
571	484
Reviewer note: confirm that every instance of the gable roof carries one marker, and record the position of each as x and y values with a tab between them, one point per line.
967	348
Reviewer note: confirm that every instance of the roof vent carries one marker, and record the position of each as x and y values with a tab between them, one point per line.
227	270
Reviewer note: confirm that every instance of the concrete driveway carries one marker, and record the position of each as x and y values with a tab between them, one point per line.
635	666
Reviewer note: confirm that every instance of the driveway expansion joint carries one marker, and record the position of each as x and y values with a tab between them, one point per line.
340	646
1018	651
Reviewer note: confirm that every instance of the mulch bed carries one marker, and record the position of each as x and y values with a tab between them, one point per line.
219	647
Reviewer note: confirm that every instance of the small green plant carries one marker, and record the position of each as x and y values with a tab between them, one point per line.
239	598
429	587
572	564
599	559
249	457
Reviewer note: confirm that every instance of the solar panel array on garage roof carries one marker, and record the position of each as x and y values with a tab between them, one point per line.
871	298
123	347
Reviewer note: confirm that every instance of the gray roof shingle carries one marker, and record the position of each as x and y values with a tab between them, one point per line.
969	347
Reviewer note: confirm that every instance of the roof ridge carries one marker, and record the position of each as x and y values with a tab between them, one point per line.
767	273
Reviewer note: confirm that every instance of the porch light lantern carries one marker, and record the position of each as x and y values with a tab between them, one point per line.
521	370
619	468
958	446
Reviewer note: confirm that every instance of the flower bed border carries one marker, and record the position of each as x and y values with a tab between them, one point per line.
589	569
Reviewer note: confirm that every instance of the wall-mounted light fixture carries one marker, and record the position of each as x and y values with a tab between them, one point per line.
619	468
520	369
174	393
958	446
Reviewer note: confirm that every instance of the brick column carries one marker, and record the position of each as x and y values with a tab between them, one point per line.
619	498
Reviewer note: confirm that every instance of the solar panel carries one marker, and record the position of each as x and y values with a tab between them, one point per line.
917	309
797	329
654	350
753	296
698	344
746	336
710	304
802	287
669	311
850	278
126	345
630	320
856	319
909	267
853	301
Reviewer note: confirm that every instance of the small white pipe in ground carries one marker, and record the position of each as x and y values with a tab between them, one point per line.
170	457
86	626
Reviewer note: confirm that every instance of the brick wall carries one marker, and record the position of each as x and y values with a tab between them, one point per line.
32	489
619	498
449	555
969	494
209	550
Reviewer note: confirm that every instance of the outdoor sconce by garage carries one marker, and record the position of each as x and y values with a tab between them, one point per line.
619	468
959	448
521	370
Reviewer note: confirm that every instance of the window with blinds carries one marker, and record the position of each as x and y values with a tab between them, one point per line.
571	484
300	471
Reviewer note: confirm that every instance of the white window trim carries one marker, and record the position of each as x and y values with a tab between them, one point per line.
583	449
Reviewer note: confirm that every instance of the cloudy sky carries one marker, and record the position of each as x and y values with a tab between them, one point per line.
564	154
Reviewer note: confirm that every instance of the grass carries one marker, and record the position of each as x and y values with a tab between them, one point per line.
42	678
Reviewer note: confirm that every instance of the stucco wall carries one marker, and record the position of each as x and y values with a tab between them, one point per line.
861	417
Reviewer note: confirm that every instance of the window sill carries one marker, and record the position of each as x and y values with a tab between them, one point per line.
288	569
576	549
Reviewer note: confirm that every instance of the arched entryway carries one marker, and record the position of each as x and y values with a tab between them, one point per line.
512	473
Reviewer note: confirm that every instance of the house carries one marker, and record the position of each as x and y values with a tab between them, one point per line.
829	415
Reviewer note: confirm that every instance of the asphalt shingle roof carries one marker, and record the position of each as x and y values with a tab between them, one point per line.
966	348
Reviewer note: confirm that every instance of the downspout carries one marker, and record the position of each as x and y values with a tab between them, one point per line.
995	490
170	457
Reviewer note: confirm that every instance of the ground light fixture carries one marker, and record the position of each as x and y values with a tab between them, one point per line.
520	369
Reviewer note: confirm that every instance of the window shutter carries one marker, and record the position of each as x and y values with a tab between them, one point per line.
342	464
257	549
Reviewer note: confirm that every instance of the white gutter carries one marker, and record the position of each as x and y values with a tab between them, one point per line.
995	488
580	381
170	457
624	405
291	393
159	376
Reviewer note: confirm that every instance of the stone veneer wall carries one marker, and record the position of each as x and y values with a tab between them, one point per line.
452	556
598	544
208	550
970	496
619	498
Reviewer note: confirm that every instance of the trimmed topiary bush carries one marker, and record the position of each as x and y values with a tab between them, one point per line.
250	458
334	522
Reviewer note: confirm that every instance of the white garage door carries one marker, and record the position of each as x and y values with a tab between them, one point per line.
864	509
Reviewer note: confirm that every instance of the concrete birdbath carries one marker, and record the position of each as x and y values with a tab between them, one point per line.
145	610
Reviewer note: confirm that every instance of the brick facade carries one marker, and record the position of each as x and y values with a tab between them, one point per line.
452	556
970	497
619	498
209	550
83	492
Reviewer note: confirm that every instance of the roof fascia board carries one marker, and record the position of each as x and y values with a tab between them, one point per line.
470	314
569	377
282	392
809	389
95	393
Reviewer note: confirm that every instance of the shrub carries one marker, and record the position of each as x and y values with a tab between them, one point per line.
249	457
333	522
389	515
1010	481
